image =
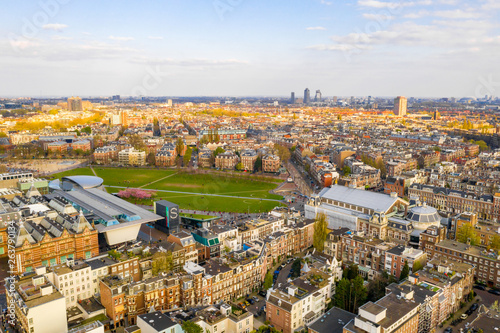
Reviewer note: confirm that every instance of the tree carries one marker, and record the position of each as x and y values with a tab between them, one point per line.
218	151
358	293
268	280
187	156
468	233
296	268
346	170
404	272
282	151
240	166
320	232
150	159
351	272
87	130
190	327
417	265
495	243
136	141
482	145
162	262
179	147
342	292
258	164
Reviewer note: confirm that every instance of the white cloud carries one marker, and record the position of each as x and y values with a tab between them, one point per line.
457	14
121	38
378	17
384	4
155	37
57	37
194	62
324	2
54	26
315	28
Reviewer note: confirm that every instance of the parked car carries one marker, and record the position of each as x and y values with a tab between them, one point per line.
263	293
242	305
494	291
448	330
463	316
251	301
474	306
246	303
255	298
480	287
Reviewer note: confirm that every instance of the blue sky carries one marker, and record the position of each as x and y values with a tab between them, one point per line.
249	47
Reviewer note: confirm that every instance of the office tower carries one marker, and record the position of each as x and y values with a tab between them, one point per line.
317	98
369	100
335	99
352	100
75	104
115	97
292	98
307	96
400	104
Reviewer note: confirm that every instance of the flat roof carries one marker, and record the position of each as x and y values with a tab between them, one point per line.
362	198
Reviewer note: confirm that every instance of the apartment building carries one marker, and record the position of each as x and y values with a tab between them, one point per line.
270	163
333	243
131	156
221	318
73	280
456	202
450	279
105	155
248	158
396	258
487	262
392	313
226	160
35	304
298	303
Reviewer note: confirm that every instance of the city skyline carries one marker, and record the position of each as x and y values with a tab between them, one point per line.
358	48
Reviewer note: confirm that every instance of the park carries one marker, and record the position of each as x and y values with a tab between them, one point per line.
242	193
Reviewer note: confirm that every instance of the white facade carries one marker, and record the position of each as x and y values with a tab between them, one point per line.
75	284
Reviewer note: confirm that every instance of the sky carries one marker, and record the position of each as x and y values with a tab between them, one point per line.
414	48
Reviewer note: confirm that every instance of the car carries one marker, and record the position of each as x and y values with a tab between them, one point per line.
448	330
494	291
463	316
474	307
246	303
263	293
251	301
255	298
480	287
242	305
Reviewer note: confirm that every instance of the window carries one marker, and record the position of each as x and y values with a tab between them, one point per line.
2	251
87	255
45	263
63	259
278	312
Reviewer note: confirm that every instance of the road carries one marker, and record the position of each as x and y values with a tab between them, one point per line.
299	179
283	275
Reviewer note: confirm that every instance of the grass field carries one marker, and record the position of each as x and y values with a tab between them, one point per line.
172	180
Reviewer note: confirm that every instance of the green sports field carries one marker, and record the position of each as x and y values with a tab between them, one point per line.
197	184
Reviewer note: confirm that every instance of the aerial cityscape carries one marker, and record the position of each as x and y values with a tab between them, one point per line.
232	166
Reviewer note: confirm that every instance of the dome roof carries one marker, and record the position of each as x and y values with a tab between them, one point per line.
85	182
423	217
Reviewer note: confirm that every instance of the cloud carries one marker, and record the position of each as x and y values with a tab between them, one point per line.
121	38
324	2
315	28
54	26
378	17
448	14
193	63
57	37
155	37
392	5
